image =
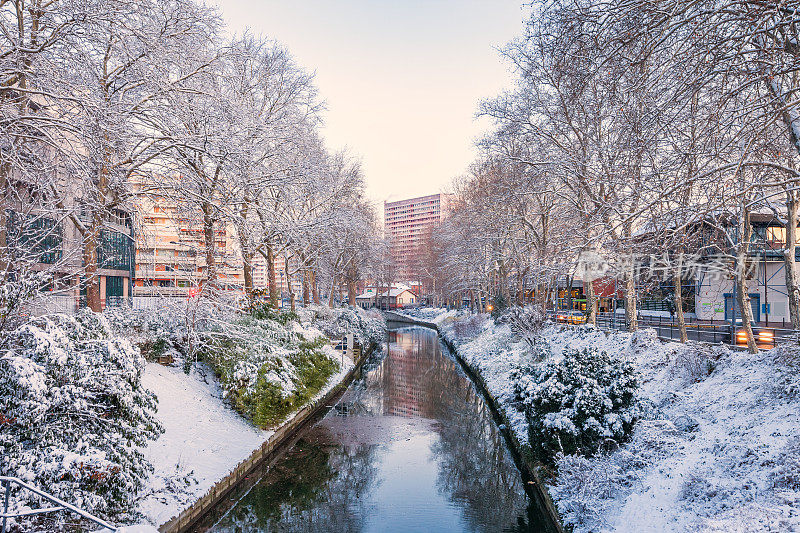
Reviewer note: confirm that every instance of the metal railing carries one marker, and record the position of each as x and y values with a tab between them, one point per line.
703	331
6	482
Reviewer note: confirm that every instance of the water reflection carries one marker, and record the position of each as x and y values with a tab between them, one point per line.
410	447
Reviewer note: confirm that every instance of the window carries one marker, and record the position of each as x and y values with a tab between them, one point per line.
776	236
116	250
114	286
34	235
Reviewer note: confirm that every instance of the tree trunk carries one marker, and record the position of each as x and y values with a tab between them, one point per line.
273	283
208	233
630	300
5	170
247	252
314	287
351	291
742	294
789	261
570	305
306	289
678	286
91	243
333	290
290	287
591	304
247	268
503	281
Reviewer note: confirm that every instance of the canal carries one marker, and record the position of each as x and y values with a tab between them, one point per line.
410	446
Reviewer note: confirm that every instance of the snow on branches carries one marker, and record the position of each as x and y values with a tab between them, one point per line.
74	413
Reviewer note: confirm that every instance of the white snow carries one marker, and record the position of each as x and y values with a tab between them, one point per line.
717	450
204	437
436	315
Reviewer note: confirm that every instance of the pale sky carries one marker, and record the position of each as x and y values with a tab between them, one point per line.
401	79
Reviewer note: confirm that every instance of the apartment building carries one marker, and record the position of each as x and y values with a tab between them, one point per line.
170	251
171	254
409	224
261	278
46	239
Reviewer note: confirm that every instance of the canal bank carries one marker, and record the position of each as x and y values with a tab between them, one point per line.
271	448
412	445
522	456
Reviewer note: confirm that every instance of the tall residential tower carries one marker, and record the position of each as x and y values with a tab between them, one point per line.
409	225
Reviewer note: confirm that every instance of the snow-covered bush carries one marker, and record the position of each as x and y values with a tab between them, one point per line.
157	332
468	327
268	370
526	322
786	474
696	361
269	362
264	311
425	313
587	490
16	296
73	412
367	326
578	402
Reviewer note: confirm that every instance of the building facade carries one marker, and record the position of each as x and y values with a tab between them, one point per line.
408	225
765	276
170	257
51	242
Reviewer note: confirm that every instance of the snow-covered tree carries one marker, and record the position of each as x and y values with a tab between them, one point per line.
73	412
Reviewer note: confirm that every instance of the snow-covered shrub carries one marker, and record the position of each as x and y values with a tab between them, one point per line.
587	490
786	475
530	360
17	296
526	322
267	370
157	332
269	404
644	339
425	313
576	403
264	311
468	327
368	326
584	486
696	361
73	412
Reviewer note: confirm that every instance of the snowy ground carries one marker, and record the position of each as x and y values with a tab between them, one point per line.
437	315
716	451
204	437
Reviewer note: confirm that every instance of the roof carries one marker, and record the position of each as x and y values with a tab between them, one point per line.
397	291
366	296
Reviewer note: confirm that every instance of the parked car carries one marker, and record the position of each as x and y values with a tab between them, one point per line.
571	317
762	335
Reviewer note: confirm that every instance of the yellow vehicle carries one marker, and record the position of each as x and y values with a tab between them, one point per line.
764	337
571	317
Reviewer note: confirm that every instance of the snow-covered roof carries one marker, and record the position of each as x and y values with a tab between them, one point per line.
394	292
366	296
